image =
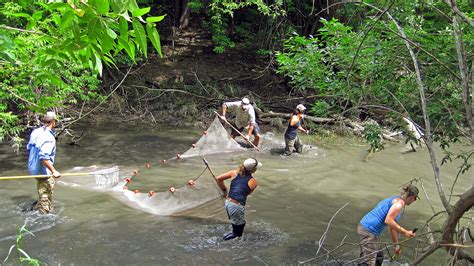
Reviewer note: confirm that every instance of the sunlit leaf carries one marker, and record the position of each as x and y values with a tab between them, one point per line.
102	6
140	12
111	33
154	37
155	19
140	36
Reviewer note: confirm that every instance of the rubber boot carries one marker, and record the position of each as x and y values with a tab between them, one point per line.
237	231
232	234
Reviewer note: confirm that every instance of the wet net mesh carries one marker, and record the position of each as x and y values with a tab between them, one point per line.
214	140
199	196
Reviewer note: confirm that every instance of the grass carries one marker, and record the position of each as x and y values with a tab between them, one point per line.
23	255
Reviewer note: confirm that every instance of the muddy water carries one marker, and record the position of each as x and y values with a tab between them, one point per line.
286	216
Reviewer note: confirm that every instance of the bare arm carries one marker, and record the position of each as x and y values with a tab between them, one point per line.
252	184
220	180
394	227
293	120
249	132
397	206
300	128
224	109
49	165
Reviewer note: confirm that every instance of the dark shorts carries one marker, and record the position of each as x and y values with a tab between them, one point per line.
256	130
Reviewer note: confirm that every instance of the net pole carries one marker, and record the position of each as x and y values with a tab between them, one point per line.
240	133
39	176
215	179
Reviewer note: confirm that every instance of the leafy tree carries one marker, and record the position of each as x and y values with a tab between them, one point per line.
52	51
409	57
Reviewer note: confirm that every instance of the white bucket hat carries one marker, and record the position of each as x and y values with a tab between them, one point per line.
252	164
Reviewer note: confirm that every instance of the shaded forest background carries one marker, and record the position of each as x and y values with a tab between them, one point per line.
165	61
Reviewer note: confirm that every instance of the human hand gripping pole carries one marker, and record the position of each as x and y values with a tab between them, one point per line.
240	133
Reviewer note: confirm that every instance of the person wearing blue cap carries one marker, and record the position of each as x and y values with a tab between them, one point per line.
42	152
243	183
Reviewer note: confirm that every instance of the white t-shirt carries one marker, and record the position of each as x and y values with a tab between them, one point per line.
413	129
244	117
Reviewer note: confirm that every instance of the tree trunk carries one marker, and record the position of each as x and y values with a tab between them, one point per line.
184	19
181	13
464	204
466	94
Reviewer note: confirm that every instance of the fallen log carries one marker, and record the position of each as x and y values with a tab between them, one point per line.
357	128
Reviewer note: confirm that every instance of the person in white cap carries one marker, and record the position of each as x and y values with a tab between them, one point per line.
242	184
42	152
245	118
292	141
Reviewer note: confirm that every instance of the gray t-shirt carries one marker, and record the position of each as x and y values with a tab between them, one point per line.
244	117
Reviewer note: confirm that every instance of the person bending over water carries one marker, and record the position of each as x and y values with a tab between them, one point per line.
242	184
292	141
387	212
245	118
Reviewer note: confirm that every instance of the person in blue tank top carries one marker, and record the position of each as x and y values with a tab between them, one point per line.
242	184
292	141
386	213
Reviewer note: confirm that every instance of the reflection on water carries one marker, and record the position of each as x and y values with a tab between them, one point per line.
287	214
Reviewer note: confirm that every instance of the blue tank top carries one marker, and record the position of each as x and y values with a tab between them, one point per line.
374	221
239	188
291	131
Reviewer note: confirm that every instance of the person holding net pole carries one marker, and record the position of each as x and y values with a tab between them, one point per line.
245	117
292	141
243	183
386	213
42	152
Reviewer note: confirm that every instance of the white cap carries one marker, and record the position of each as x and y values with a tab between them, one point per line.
245	101
300	107
49	116
252	164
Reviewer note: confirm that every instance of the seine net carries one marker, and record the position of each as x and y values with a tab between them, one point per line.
201	196
96	178
107	178
214	140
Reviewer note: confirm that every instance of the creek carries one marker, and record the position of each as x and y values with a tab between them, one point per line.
286	215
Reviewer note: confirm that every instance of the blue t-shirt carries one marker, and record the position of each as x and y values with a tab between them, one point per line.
374	221
42	146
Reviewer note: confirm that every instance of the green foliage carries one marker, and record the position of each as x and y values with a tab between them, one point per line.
52	52
196	5
223	11
354	66
23	256
320	108
373	135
